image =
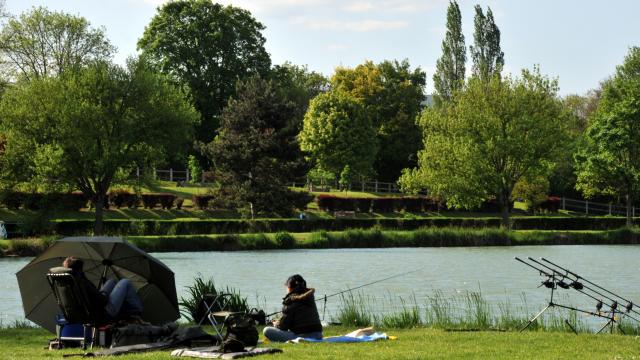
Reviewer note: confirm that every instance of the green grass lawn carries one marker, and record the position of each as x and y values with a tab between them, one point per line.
411	344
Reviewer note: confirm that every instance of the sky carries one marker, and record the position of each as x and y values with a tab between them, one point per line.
578	41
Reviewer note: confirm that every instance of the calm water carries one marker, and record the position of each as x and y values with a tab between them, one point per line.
259	275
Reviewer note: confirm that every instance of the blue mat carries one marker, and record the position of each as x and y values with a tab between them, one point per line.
346	339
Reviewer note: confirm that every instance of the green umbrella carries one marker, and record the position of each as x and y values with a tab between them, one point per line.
104	257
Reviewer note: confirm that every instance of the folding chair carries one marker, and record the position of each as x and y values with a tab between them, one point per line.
74	303
216	309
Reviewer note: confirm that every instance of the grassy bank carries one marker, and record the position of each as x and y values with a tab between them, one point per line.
369	238
417	343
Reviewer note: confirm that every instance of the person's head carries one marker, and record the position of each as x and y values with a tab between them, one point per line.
295	283
73	263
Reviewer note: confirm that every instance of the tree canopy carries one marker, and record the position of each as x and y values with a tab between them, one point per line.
337	132
450	67
83	129
391	93
255	151
608	163
207	47
42	43
488	58
493	135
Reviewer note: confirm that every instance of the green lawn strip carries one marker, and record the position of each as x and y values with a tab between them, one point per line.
418	343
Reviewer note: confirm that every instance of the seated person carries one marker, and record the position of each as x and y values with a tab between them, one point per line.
116	300
299	314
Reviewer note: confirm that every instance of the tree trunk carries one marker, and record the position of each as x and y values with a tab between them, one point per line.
503	200
99	204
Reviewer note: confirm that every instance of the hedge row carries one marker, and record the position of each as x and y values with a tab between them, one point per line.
123	198
233	226
37	201
332	203
379	205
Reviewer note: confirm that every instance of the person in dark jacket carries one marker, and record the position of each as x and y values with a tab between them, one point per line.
299	314
115	299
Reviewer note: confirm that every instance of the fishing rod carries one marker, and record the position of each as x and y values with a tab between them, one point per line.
324	298
628	307
576	285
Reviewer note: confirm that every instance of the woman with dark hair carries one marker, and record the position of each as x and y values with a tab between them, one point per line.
299	314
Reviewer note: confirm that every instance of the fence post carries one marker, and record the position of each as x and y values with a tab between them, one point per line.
362	184
155	174
564	206
388	187
376	186
170	174
609	209
586	208
138	172
633	211
187	176
202	177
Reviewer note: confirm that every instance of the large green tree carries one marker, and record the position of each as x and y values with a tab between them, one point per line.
391	93
609	161
487	56
337	132
42	43
208	47
450	67
495	134
255	151
84	128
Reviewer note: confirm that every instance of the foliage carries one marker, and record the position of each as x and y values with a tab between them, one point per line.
391	93
41	43
192	309
338	132
85	129
195	170
608	161
494	134
255	151
450	67
488	58
207	47
532	191
345	178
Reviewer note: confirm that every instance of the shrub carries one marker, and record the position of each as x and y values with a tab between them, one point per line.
150	200
200	288
178	203
34	201
362	205
299	199
412	204
552	204
166	200
383	205
202	201
120	198
13	199
284	240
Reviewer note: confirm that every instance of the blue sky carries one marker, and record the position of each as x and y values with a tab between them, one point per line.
578	41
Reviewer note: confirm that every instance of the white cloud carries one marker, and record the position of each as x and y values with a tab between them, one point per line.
358	26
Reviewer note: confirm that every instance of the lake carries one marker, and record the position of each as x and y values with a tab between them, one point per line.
260	275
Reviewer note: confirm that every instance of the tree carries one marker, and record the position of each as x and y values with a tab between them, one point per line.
43	43
391	93
337	132
207	47
253	151
488	58
495	134
345	178
450	67
85	129
608	162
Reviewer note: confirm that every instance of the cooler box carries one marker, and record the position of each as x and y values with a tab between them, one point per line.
70	335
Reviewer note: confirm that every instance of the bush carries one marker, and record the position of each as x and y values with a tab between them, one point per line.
383	205
200	288
34	201
123	198
164	200
552	204
284	240
412	204
299	199
178	203
13	199
202	201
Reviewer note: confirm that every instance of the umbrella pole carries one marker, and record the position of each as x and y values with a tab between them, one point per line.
103	278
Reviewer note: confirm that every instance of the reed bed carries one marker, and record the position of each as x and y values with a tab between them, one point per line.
468	311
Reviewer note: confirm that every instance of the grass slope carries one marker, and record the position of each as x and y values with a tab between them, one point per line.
416	343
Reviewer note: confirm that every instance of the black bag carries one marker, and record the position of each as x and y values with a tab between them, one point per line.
241	332
139	334
258	316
